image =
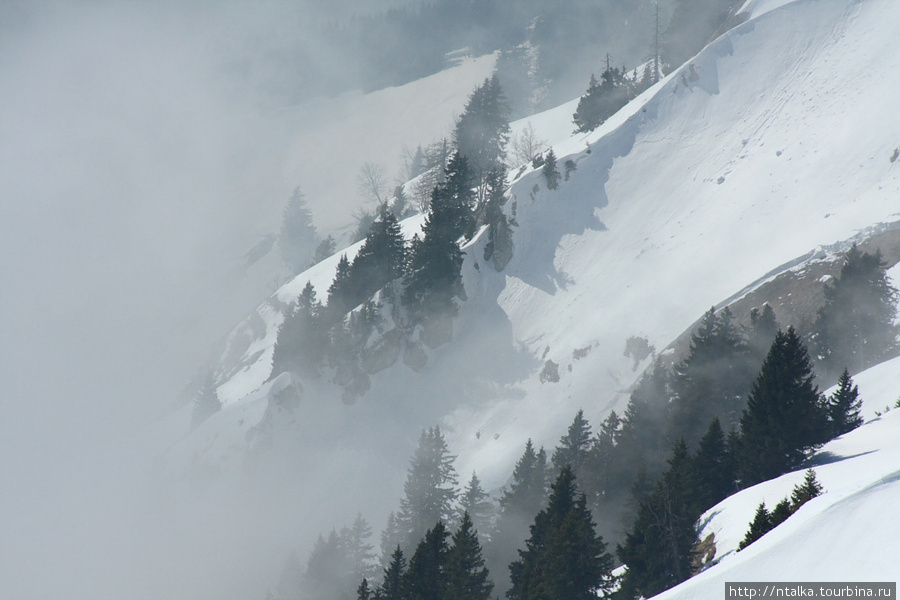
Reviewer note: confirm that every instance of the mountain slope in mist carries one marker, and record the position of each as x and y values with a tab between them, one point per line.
776	139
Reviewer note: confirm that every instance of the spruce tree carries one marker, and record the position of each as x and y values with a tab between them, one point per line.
803	493
363	592
550	170
380	260
393	582
340	297
467	578
573	447
301	340
563	557
430	487
855	328
843	406
785	417
760	526
518	506
426	577
714	471
298	238
780	513
475	502
482	131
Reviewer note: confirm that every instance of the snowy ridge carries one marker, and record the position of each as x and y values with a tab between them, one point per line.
774	141
849	533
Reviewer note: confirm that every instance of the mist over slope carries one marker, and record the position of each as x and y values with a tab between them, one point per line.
775	140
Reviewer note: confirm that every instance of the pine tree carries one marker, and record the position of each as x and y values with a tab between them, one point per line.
550	170
597	474
380	259
803	493
467	576
207	402
602	99
518	506
325	249
760	526
563	557
301	340
844	405
780	513
340	297
714	471
360	552
298	238
393	582
430	487
482	131
855	328
573	447
784	418
475	502
658	548
426	577
363	592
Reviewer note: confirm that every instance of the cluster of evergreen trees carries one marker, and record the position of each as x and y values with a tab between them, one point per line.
418	281
765	521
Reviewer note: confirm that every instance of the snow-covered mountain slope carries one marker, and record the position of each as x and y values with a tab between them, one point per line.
776	139
849	533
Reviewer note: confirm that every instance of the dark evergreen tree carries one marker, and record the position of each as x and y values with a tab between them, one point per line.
430	487
763	327
363	592
298	238
712	380
467	578
301	340
597	475
340	296
426	577
714	470
573	447
325	249
843	406
785	417
550	170
393	582
780	513
482	131
658	548
518	506
803	493
207	402
563	557
760	526
475	502
380	260
855	328
602	99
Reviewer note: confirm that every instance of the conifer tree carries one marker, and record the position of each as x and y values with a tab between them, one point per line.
760	526
518	506
780	513
550	170
467	576
393	582
430	487
482	131
602	99
658	548
426	577
784	418
803	493
325	249
363	592
714	471
301	339
380	260
573	447
340	297
475	502
298	238
597	475
855	328
563	557
843	406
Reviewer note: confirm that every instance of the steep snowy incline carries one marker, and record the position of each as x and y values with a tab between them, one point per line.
849	533
776	139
